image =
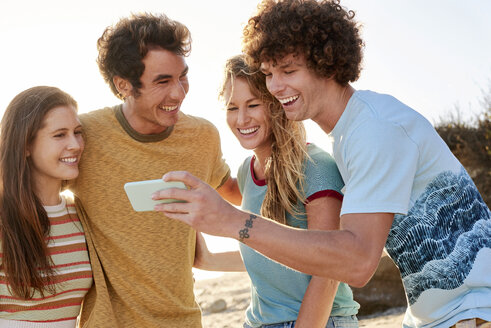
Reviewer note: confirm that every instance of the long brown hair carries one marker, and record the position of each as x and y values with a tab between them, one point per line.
284	169
24	223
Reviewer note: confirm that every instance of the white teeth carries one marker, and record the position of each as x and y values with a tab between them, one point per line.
248	131
287	100
68	159
168	108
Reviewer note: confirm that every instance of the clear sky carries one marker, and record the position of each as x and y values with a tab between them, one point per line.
432	55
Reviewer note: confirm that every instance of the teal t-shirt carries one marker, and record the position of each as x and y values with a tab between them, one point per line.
277	291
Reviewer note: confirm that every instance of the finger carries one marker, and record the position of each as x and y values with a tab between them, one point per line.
178	216
187	178
173	193
181	208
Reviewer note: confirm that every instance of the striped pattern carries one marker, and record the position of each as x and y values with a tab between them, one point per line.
73	278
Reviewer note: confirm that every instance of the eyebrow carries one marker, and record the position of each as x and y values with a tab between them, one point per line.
168	76
248	101
287	64
60	130
263	70
281	66
65	128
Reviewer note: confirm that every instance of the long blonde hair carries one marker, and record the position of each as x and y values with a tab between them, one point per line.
284	169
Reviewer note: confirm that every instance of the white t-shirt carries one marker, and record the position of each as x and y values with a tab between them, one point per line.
393	161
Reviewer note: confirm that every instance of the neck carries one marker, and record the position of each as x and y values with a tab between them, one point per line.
262	156
48	193
336	100
138	123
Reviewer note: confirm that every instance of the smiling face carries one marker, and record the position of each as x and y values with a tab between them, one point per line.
164	87
57	147
300	91
247	116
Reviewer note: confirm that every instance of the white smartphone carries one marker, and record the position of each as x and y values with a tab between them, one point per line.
140	193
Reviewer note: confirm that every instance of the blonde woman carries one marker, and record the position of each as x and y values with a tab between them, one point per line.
291	182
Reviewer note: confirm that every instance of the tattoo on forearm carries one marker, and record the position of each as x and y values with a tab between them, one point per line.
244	233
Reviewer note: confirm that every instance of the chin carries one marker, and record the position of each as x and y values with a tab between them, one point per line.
246	144
167	123
294	116
70	176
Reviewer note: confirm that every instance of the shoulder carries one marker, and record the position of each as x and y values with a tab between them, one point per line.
99	116
190	121
321	170
376	120
379	114
198	130
378	103
245	166
318	155
319	160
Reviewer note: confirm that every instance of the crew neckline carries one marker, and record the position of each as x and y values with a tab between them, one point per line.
53	208
258	182
137	135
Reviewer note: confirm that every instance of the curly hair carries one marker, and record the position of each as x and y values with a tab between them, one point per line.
284	169
123	46
323	31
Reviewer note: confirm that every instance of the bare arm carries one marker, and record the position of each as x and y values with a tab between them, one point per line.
322	214
350	254
230	191
205	260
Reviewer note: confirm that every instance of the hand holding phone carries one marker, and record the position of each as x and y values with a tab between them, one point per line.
140	193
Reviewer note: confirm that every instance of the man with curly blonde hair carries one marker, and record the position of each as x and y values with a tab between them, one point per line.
404	190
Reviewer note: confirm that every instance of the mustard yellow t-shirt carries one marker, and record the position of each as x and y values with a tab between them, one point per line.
141	261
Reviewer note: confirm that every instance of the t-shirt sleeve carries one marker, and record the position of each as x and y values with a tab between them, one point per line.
322	177
381	162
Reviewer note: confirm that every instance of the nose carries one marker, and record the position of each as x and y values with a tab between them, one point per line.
75	142
274	84
242	117
179	90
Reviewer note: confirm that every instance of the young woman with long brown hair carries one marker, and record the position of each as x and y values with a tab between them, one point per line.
291	182
44	265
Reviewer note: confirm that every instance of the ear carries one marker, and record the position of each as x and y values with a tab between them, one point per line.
123	86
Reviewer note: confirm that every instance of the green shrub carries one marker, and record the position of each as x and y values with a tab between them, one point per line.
470	142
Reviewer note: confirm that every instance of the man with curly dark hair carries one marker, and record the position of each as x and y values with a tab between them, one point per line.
405	191
142	261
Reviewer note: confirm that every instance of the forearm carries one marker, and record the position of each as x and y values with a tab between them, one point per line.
311	251
317	303
226	261
350	254
334	254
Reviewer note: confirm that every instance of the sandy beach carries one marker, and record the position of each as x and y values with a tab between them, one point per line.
223	301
